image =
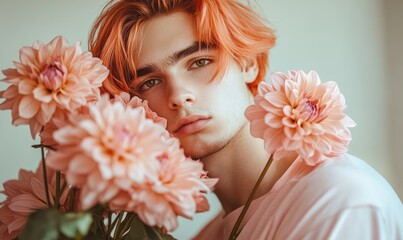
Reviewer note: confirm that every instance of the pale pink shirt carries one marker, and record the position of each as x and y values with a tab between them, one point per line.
342	198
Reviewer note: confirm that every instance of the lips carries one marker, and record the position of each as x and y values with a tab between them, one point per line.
191	124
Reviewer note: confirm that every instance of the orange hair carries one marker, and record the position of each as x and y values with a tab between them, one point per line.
233	28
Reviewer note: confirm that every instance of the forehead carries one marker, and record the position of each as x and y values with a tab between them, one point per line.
164	35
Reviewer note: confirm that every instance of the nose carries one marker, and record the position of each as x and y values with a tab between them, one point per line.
180	96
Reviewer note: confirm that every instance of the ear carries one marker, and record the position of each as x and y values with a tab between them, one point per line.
250	69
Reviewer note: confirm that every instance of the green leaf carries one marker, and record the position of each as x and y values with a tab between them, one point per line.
98	227
41	225
156	233
75	224
137	230
42	145
168	237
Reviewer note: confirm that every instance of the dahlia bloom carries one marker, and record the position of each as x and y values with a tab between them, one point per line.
23	197
134	102
298	113
175	189
49	77
60	119
115	155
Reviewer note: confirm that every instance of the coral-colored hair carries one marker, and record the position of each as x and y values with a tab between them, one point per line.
233	28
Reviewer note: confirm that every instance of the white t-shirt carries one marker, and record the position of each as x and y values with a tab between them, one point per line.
342	198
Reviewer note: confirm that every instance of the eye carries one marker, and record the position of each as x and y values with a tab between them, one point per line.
200	63
148	84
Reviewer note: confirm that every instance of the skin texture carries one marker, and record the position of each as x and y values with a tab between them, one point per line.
182	90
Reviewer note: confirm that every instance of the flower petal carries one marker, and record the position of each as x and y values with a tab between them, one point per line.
42	94
26	203
26	87
28	107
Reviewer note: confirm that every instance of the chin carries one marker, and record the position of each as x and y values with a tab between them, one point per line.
202	148
199	154
203	145
196	151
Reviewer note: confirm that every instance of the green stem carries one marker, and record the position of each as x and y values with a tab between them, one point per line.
57	199
128	219
43	145
119	218
45	177
63	187
114	223
109	231
234	233
72	197
157	233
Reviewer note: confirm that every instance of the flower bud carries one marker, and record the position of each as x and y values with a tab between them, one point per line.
53	75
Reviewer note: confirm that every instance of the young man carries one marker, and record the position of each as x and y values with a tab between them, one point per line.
197	63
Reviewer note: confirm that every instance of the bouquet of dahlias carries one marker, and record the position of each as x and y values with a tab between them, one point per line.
109	168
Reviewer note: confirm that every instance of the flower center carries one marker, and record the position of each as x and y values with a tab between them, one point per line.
123	138
53	75
122	134
309	109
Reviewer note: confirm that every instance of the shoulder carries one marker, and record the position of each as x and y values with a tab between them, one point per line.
335	196
348	182
350	176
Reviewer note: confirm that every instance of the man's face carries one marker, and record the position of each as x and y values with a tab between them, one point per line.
174	76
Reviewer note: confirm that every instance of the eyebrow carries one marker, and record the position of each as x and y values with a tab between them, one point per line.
174	58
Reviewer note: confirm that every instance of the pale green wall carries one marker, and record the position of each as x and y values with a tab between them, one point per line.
348	41
358	44
343	41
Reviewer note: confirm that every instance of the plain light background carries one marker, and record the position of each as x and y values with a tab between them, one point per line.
357	43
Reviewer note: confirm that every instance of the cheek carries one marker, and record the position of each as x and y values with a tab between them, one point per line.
157	104
234	96
155	107
234	88
206	74
160	110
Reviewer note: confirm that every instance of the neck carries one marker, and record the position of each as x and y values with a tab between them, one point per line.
238	167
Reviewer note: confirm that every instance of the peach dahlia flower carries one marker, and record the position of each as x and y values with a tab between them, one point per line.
298	113
23	197
49	77
115	155
60	119
134	102
174	189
